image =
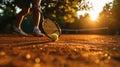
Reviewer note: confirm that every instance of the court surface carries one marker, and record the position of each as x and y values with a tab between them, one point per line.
71	50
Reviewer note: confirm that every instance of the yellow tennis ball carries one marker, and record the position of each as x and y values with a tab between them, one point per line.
54	36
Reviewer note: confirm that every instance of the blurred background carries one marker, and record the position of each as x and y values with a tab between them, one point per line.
73	16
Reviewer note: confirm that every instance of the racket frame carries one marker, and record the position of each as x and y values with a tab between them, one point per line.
43	18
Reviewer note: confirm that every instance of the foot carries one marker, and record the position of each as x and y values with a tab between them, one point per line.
37	32
19	31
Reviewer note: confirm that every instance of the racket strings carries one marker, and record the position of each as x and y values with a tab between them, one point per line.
50	27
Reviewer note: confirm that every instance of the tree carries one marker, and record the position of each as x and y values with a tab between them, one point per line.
58	10
116	14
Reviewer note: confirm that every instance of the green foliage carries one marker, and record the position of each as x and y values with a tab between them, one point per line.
64	10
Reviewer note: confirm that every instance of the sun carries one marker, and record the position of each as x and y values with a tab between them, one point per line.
94	15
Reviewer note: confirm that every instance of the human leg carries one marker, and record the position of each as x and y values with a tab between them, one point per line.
25	6
36	16
19	18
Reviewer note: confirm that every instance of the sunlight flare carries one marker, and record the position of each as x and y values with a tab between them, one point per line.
97	7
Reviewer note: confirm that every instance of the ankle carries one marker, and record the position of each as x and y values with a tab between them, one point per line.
36	27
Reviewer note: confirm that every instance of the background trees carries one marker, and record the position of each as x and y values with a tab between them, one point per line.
64	12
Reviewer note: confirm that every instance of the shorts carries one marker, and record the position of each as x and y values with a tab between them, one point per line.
27	3
22	3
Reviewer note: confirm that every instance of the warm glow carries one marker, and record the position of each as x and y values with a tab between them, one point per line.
81	13
93	15
97	7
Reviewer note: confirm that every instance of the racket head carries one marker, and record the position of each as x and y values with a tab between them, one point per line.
49	27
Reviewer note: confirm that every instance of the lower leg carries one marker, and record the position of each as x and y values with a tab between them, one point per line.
36	17
21	16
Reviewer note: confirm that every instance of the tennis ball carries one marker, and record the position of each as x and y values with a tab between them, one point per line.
54	36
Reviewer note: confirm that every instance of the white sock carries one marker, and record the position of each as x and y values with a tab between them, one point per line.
36	27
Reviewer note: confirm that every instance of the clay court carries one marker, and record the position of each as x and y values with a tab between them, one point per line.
71	50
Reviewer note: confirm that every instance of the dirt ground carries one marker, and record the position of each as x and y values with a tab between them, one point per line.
73	50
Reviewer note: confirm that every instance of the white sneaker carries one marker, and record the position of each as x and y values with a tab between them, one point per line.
37	32
19	31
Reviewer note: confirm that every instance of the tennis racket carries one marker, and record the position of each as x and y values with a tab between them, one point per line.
49	27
